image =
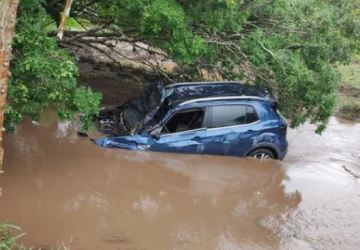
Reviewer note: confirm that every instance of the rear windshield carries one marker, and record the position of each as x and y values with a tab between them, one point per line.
230	115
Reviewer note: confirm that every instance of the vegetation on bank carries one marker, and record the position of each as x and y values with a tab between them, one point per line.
9	234
43	74
71	24
349	90
292	48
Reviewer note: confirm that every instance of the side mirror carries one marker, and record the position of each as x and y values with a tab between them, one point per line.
155	133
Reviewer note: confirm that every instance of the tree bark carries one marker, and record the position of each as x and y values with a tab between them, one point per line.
8	9
64	17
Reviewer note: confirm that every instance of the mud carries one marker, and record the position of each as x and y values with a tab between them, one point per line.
116	85
65	191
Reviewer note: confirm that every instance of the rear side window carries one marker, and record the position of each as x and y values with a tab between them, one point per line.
231	115
251	115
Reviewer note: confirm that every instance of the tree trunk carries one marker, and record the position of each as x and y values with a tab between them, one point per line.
64	17
8	9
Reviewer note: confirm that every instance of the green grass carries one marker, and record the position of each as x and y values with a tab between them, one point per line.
71	24
351	74
349	90
9	234
349	108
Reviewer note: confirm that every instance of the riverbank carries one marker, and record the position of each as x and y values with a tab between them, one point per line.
349	90
122	81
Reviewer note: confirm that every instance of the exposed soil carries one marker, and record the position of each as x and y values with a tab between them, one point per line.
349	103
347	91
115	85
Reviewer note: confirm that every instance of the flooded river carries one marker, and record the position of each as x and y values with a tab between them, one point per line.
64	190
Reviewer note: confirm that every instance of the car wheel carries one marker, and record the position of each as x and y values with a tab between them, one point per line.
262	153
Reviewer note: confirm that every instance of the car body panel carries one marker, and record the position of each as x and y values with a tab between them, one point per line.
236	140
182	142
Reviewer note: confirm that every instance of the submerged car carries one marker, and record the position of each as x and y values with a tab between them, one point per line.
222	118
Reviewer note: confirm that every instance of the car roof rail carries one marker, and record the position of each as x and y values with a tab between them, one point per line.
199	83
221	98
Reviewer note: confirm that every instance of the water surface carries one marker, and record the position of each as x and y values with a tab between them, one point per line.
62	189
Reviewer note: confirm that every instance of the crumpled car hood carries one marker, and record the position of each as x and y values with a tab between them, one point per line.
130	118
134	142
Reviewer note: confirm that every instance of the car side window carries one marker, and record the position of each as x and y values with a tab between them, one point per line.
251	115
184	121
230	115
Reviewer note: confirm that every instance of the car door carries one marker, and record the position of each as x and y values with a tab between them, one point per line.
182	132
231	130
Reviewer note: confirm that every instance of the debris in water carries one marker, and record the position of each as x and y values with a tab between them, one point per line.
357	176
82	134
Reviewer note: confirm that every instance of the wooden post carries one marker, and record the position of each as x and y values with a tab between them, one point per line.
64	17
8	9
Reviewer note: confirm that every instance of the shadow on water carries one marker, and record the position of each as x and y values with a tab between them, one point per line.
63	189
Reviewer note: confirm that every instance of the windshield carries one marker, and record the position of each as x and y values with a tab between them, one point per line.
143	109
161	113
131	118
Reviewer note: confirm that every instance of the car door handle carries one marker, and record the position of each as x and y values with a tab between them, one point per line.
196	138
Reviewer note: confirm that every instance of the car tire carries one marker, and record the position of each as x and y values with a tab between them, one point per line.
262	153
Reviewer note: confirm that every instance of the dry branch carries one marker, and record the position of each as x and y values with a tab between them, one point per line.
64	17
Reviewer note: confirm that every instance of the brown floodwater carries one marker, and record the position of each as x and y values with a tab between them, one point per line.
63	190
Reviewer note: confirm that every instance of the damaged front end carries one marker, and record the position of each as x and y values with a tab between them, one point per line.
134	142
133	116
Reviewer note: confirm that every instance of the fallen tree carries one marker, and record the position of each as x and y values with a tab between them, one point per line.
289	47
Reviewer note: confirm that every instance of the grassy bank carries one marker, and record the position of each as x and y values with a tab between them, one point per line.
349	90
9	234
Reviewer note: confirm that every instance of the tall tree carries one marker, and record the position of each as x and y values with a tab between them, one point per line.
8	10
43	74
291	47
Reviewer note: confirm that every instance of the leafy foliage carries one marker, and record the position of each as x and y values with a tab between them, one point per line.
10	235
7	240
291	47
43	74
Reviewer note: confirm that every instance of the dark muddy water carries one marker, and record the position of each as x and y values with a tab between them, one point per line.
63	190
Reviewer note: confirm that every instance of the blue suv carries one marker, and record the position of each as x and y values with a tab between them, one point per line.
222	118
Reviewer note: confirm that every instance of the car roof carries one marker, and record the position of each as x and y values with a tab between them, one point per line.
193	92
222	100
